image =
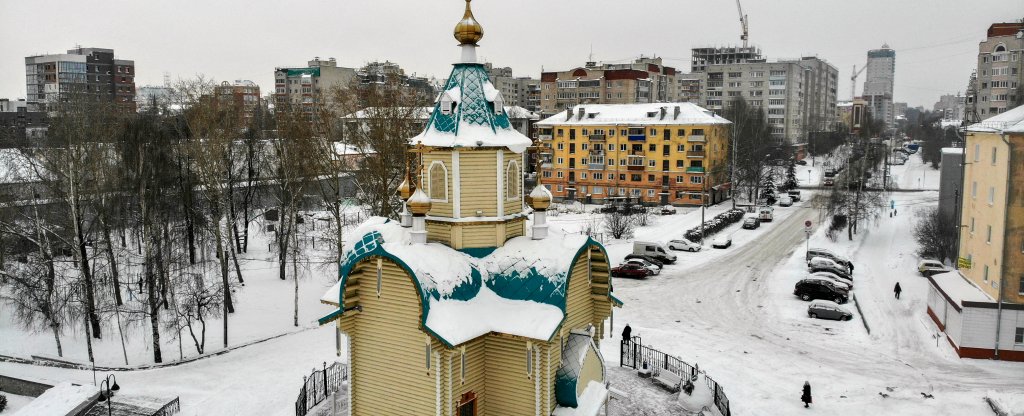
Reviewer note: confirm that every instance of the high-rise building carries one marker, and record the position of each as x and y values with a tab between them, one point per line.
382	72
241	95
950	106
688	87
645	80
661	153
1000	69
798	96
980	306
309	85
701	58
878	84
518	91
94	71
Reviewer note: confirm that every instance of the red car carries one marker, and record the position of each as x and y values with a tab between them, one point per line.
630	270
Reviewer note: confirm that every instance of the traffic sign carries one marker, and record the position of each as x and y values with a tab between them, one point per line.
807	223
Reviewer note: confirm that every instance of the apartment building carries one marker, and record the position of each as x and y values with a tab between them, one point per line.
980	306
518	91
701	58
797	96
689	88
646	80
309	85
661	153
18	124
878	84
387	71
241	95
96	72
950	106
1000	68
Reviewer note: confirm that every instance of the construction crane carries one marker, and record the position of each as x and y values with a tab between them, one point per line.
853	81
743	23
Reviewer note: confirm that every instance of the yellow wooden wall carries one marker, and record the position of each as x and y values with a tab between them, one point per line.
439	232
512	390
387	347
579	306
441	209
479	182
591	371
475	381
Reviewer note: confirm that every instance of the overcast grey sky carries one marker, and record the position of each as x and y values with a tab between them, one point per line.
936	41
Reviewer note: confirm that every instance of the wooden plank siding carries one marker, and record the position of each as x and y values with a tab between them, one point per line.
482	235
439	232
478	176
579	305
475	380
515	228
387	346
512	391
439	209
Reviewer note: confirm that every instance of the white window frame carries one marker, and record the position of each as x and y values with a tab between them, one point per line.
512	179
430	181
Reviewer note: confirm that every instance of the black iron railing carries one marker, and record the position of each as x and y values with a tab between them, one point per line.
633	354
320	385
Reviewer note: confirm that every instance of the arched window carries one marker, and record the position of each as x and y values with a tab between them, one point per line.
512	180
999	48
437	180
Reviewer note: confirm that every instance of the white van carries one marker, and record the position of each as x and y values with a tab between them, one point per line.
656	250
765	213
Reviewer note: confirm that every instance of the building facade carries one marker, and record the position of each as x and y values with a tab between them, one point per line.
51	79
310	85
980	306
379	73
1000	68
18	124
459	308
518	91
951	106
646	80
797	96
241	95
663	153
878	84
701	58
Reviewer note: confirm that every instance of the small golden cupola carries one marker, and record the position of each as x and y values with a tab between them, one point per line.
468	31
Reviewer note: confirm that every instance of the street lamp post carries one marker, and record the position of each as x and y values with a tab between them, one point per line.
108	393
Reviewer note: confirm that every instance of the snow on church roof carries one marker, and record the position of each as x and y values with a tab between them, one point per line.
640	114
473	122
517	289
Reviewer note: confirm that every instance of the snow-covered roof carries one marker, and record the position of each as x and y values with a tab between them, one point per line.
638	114
959	289
950	123
62	399
473	122
518	288
590	403
345	149
1011	121
952	151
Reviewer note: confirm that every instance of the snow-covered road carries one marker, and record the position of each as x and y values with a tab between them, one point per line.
736	317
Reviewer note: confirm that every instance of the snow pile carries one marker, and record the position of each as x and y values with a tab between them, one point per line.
459	321
551	257
699	398
1010	402
62	399
590	402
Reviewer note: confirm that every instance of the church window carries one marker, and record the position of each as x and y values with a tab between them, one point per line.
447	104
438	181
512	178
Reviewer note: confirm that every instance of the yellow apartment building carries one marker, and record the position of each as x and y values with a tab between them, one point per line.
654	154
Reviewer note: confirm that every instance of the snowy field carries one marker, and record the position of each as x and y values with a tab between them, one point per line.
731	311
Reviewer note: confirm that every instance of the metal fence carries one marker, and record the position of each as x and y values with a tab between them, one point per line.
172	407
633	354
320	385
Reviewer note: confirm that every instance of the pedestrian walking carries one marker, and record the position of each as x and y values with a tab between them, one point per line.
806	396
626	332
897	290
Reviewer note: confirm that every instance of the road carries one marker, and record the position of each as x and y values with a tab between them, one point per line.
737	318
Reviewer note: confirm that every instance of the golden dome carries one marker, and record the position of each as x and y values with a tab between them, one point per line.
404	191
468	31
540	198
419	203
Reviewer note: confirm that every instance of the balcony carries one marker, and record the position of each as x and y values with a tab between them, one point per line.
544	136
696	139
597	137
695	154
595	166
694	169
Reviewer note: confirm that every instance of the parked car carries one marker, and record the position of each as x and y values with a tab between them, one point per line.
683	244
668	210
828	182
794	194
823	262
722	241
808	289
801	162
655	269
833	270
820	252
649	259
631	270
836	277
785	201
655	250
765	214
751	223
834	281
929	264
825	309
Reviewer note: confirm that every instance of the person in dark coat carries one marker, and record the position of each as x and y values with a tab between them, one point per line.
626	332
897	290
806	397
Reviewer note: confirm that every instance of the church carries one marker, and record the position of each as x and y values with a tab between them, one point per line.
468	305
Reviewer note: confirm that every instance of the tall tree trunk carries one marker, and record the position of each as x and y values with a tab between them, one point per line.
295	275
153	298
56	336
83	253
222	256
112	260
283	234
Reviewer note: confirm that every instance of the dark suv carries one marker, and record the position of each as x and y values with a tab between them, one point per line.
808	289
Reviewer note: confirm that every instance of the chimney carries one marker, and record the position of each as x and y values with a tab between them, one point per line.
419	204
675	116
580	111
568	114
540	200
662	113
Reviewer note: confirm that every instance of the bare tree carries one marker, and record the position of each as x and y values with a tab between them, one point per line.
935	238
619	224
196	301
